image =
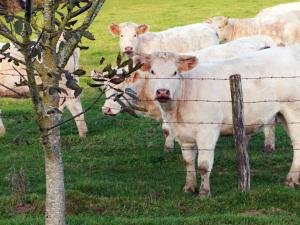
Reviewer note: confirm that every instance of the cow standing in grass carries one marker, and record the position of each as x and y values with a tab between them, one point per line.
11	75
198	125
214	53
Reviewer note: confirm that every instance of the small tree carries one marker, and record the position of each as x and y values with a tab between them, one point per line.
21	30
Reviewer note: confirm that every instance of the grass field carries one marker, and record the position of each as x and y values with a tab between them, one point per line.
119	173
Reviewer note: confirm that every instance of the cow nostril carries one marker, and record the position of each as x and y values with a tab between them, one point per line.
158	92
128	49
167	92
106	110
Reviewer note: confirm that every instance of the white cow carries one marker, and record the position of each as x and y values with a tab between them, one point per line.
9	77
175	77
217	52
137	38
278	10
284	29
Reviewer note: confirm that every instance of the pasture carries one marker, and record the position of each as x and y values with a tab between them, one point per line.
119	174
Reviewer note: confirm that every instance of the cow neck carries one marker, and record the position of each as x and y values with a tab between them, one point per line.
247	26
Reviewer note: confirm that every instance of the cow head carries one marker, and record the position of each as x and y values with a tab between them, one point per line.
112	107
129	34
164	71
221	24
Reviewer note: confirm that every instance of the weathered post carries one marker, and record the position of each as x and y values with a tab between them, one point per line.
240	133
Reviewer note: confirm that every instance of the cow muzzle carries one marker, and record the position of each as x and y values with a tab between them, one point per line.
163	95
128	50
107	111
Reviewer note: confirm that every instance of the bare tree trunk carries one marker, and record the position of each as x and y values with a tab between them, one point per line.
55	196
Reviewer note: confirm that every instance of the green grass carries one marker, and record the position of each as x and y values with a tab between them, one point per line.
119	173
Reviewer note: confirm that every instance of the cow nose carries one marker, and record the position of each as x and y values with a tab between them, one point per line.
128	49
163	93
106	111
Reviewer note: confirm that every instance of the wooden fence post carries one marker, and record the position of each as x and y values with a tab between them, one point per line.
240	133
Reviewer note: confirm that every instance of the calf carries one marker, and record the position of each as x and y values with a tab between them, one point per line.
10	75
176	81
137	38
214	53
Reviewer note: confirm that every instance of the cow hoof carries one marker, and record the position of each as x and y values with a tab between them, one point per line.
2	133
82	136
168	149
269	149
291	183
189	189
204	193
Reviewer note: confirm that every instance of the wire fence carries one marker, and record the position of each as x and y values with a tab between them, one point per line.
24	122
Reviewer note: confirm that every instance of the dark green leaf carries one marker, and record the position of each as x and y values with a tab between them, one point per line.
16	62
79	72
71	23
77	92
126	63
102	60
106	68
119	59
83	47
131	93
117	80
19	25
93	85
138	66
5	47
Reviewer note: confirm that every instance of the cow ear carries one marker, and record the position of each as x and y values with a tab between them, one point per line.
141	29
186	63
134	77
114	29
208	20
144	59
224	22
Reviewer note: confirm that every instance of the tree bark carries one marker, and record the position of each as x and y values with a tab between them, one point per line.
240	133
54	168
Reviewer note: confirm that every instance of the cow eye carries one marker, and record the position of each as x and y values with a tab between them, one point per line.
122	35
175	73
152	72
135	35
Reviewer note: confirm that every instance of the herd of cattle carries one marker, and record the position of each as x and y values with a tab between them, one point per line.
184	82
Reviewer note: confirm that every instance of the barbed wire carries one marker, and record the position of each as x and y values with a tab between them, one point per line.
213	101
212	78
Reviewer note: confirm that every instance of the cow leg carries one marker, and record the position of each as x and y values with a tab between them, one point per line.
293	177
169	138
189	155
75	107
206	142
269	132
2	128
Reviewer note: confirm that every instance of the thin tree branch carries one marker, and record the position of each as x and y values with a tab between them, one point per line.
12	90
81	10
